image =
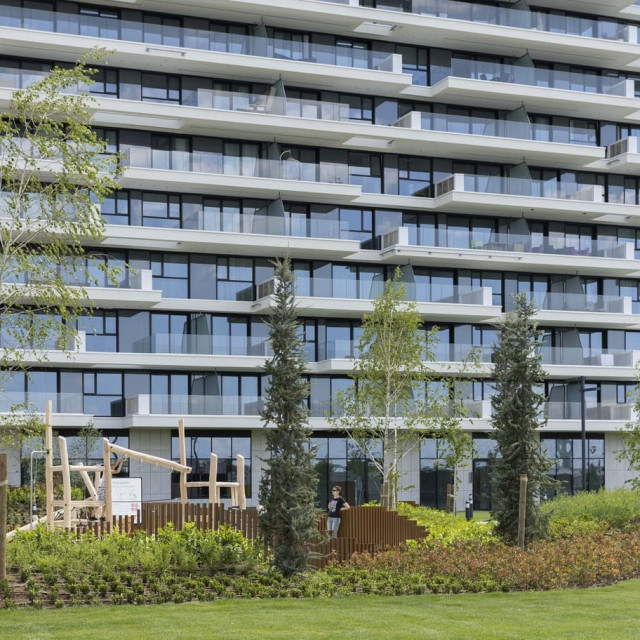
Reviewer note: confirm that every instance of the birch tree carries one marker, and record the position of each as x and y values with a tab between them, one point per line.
54	173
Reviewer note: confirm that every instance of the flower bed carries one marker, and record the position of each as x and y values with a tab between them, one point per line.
55	570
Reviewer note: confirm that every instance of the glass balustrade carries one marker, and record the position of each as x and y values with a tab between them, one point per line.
578	302
587	357
487	239
203	345
527	187
235	222
537	77
227	405
36	402
192	38
573	411
369	289
504	128
506	17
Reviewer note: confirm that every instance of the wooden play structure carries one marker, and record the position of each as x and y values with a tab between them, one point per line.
97	479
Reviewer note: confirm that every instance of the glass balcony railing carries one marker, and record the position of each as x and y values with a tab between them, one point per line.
489	240
573	411
476	126
537	77
445	293
241	166
580	302
588	357
501	185
203	345
506	17
234	222
36	402
197	38
163	404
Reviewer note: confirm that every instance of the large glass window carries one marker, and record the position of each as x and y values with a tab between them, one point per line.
565	450
339	461
434	475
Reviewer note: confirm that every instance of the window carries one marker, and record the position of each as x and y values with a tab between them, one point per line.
115	208
566	453
100	331
160	210
160	88
234	279
434	475
170	274
103	394
365	169
339	461
199	447
485	449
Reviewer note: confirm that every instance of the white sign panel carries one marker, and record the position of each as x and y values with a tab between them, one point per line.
126	496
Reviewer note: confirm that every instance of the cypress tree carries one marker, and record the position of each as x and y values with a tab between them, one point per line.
288	485
517	414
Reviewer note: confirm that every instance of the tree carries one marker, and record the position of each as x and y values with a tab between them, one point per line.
396	399
54	173
517	415
630	435
288	485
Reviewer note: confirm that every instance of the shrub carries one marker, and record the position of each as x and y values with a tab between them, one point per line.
619	508
445	528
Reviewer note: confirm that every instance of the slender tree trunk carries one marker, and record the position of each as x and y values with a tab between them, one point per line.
3	515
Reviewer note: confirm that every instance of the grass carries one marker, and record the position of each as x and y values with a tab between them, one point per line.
604	612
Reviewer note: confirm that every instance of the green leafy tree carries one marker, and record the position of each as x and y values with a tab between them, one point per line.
54	173
630	452
517	415
288	486
396	398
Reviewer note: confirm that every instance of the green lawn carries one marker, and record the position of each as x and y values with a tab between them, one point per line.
605	612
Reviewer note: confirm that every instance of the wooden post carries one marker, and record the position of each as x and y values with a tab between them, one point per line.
183	461
48	477
4	481
522	512
66	481
213	479
106	478
241	496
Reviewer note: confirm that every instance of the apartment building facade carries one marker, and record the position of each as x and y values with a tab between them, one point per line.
485	148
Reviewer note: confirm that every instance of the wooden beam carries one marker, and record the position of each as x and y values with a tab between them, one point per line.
213	479
145	457
241	498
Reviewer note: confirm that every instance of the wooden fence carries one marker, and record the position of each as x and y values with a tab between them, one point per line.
369	529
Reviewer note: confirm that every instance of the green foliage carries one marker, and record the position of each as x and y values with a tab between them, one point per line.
54	173
630	452
494	566
615	509
445	528
18	502
517	406
288	485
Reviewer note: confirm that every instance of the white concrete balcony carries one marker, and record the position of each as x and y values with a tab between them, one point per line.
257	178
538	90
567	415
462	193
622	157
509	251
27	32
339	297
67	408
136	292
442	22
252	235
462	136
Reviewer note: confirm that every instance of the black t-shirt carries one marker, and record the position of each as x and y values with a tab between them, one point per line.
335	506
